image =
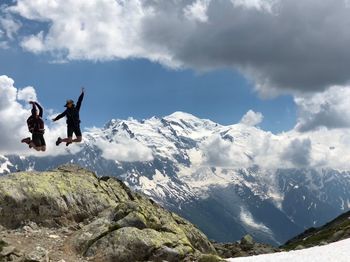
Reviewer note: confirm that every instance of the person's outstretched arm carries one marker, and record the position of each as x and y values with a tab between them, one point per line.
40	109
33	105
80	99
60	116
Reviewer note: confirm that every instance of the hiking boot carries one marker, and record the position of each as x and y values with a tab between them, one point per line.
26	140
59	141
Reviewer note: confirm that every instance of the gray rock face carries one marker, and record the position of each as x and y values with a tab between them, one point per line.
115	223
8	252
56	197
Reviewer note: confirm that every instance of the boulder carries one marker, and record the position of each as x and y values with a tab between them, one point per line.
56	197
299	247
245	247
337	236
247	242
144	226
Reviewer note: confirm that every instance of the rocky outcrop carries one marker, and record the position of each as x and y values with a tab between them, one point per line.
245	247
110	222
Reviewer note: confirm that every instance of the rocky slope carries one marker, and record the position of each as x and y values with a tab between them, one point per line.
87	218
70	214
335	230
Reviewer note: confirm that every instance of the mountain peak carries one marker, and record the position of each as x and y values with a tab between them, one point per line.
181	115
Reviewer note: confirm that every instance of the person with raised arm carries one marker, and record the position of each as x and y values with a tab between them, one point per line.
35	125
73	121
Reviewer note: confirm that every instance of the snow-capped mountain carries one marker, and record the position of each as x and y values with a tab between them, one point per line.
216	176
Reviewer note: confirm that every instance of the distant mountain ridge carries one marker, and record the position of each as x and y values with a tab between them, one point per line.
184	173
333	231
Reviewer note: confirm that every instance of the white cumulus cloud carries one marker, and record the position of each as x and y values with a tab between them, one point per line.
27	94
219	152
197	10
127	150
329	109
298	152
252	118
34	43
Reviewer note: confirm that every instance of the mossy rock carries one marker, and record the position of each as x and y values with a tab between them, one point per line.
2	244
120	225
210	258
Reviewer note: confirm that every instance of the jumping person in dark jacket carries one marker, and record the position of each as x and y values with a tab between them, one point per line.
35	125
73	121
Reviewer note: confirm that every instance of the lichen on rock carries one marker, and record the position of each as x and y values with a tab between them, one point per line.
115	224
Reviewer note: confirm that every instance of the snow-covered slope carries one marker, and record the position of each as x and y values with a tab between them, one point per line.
334	252
229	180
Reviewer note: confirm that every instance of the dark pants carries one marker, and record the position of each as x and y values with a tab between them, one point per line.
38	139
73	129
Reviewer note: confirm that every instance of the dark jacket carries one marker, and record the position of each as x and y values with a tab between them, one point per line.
72	114
36	124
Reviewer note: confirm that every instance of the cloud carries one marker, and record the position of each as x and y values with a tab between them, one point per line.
298	152
27	94
10	26
91	30
219	152
13	118
329	109
247	219
252	118
197	10
33	43
265	5
127	150
281	46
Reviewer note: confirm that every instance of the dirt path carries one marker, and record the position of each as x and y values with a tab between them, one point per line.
40	244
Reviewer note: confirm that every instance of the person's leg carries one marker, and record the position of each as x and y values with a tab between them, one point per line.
26	140
43	143
37	148
69	136
78	134
34	146
78	139
35	143
68	139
